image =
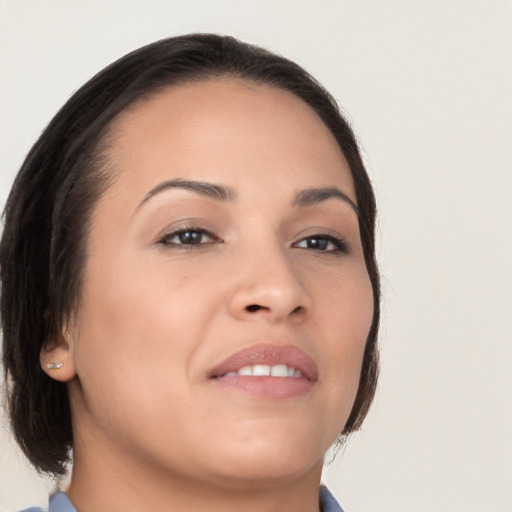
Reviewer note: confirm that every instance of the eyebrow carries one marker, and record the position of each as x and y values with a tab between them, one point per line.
304	198
312	196
217	192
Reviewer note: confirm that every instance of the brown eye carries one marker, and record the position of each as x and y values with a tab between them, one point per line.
189	236
324	243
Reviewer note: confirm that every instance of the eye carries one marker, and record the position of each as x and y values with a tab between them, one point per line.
188	237
323	243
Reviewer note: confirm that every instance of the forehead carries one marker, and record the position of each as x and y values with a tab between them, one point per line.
227	130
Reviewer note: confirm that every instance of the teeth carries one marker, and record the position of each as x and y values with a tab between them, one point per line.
263	370
260	370
279	370
246	370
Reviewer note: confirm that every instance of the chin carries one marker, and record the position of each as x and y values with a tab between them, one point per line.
266	463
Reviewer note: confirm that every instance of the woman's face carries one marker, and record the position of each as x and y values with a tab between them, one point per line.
227	248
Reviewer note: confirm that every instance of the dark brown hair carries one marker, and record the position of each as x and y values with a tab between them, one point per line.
43	246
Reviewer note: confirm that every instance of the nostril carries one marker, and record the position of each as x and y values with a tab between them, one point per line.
253	308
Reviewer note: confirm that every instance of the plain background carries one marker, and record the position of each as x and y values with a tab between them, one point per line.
427	86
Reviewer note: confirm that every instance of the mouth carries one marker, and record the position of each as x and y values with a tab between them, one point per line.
267	371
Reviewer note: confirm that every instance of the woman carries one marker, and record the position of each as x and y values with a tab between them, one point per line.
190	297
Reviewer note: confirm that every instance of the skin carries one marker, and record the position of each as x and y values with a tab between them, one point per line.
151	431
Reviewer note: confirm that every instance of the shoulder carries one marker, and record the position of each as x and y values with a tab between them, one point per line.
328	502
58	502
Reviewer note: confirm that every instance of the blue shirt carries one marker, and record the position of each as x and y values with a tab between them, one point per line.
59	503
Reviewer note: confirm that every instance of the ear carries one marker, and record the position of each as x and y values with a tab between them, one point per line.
57	360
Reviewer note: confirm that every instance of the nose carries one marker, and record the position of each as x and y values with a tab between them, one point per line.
269	287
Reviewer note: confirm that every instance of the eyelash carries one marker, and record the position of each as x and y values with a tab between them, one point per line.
166	239
339	245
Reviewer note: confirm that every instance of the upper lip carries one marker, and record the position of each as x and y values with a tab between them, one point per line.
270	355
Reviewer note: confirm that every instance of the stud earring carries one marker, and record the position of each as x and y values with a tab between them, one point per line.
54	366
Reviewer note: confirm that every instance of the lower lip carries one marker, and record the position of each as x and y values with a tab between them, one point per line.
270	388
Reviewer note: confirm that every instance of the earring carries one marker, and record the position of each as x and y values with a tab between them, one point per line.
54	366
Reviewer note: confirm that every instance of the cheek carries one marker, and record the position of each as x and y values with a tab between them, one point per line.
344	303
143	320
138	332
346	314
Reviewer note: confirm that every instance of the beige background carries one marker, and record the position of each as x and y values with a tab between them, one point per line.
428	87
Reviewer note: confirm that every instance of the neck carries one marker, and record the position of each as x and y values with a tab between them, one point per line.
116	481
